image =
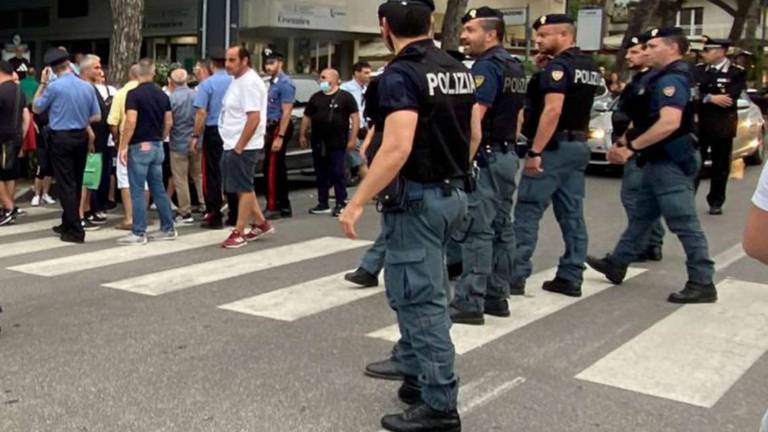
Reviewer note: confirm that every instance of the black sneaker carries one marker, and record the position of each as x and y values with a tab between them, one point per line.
286	213
422	418
388	369
96	219
497	307
613	271
363	278
695	293
58	229
6	218
272	215
70	238
654	253
517	288
562	286
212	221
461	316
716	211
455	271
89	226
410	391
320	210
337	210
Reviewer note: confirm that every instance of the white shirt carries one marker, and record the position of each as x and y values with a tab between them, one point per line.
245	95
760	199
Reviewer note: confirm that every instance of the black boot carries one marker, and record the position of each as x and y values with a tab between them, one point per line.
613	271
517	288
388	369
461	316
410	391
422	418
562	286
455	270
695	293
497	307
363	278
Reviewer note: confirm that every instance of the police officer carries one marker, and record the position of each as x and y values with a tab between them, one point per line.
282	94
720	86
559	155
670	164
631	108
488	249
419	172
72	106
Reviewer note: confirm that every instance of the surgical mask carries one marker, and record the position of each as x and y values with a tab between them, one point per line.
325	86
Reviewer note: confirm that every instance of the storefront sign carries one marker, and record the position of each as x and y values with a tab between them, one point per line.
310	16
179	18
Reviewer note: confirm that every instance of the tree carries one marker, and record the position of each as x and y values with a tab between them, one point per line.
639	18
741	13
454	10
125	46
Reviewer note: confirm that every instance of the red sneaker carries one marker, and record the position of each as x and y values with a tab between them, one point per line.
258	231
234	241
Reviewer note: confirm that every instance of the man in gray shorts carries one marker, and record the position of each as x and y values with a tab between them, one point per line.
242	126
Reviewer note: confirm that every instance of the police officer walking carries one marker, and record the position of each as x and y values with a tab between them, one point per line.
670	164
720	86
559	155
488	249
632	106
419	172
282	95
71	106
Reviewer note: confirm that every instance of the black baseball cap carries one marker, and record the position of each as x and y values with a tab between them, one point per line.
483	12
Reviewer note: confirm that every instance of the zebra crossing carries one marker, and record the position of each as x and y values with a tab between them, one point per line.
694	356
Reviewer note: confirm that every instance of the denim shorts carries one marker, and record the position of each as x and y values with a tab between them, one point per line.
238	171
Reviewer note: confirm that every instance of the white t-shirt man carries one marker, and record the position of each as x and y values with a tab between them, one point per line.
246	94
760	199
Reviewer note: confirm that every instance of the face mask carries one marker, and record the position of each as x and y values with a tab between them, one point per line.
325	86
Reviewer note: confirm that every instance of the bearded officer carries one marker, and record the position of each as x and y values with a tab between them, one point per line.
419	172
488	249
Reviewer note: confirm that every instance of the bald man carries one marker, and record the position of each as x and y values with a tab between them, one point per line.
333	115
185	155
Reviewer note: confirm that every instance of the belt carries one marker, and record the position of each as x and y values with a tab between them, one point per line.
68	131
568	135
503	147
447	183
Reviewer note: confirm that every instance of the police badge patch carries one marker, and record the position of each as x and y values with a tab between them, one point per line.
557	75
479	80
669	91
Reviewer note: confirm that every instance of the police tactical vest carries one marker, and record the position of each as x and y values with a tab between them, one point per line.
584	82
500	121
534	105
441	144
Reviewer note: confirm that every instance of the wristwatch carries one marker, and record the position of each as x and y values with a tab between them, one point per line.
533	154
629	146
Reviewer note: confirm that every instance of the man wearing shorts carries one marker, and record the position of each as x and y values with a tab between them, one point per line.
242	127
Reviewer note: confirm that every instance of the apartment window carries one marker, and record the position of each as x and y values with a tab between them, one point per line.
9	19
691	20
73	8
37	17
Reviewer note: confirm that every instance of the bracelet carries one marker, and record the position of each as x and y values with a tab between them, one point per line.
533	154
629	146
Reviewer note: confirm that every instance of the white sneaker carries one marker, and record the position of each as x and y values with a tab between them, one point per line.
163	236
133	240
47	199
35	201
153	206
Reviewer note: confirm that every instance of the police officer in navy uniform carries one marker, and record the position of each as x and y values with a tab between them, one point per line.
419	173
488	246
670	165
559	155
631	109
720	86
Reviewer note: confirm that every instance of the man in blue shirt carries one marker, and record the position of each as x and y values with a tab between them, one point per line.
357	87
282	94
72	106
208	101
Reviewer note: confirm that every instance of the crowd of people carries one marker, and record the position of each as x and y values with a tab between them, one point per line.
439	149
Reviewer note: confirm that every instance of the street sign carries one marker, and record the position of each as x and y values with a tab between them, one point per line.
589	34
514	16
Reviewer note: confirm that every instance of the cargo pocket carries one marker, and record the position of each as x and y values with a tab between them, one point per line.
406	276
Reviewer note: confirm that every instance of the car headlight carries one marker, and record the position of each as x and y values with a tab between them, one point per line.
597	134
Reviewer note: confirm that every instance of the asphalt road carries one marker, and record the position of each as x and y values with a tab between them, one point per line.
187	336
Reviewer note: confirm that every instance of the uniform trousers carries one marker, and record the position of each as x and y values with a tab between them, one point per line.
631	186
276	170
68	152
720	150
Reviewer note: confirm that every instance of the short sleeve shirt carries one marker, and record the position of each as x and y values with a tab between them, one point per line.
556	77
182	106
760	199
20	66
117	110
70	103
330	118
210	94
245	95
282	90
671	90
397	90
488	79
151	104
9	109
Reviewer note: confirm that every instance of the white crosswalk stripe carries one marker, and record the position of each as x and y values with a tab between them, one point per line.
697	353
24	227
537	304
118	255
302	300
212	271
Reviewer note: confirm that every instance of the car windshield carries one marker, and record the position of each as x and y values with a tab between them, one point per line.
305	88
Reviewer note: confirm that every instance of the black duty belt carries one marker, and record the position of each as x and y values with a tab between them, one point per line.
502	147
569	135
447	183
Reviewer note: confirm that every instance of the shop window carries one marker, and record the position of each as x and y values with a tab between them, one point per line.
73	8
38	17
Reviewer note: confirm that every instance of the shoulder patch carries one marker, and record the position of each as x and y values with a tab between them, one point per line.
668	91
479	80
557	75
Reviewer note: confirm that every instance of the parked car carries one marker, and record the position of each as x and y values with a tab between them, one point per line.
748	144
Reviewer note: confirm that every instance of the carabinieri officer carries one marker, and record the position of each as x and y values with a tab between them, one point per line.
633	104
720	86
670	164
426	97
488	247
555	166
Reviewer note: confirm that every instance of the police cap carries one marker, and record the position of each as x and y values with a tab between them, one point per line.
637	39
217	53
55	57
661	32
483	12
271	54
552	19
408	3
710	43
